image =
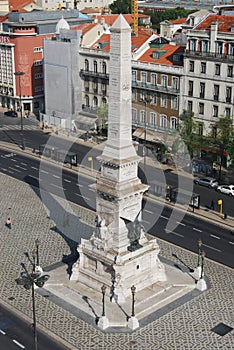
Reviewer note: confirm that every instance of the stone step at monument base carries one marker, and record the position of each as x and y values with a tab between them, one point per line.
86	302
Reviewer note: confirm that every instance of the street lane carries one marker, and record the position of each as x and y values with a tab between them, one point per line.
218	242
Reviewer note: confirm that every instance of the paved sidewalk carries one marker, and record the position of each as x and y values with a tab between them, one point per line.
187	326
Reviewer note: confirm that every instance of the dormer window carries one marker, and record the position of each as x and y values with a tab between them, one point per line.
155	55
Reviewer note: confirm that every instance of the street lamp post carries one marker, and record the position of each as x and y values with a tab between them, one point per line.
37	242
199	253
103	288
133	290
29	280
202	263
19	74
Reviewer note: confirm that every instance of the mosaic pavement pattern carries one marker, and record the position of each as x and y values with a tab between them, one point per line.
187	327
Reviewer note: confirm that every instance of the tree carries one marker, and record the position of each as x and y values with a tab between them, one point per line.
102	115
121	6
188	130
220	138
230	150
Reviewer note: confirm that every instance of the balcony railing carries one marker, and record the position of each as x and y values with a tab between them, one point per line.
153	127
89	73
214	55
149	86
89	109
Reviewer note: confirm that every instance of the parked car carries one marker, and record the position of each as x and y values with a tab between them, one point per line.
227	189
207	181
11	113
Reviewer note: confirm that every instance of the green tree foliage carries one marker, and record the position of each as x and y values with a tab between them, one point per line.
121	6
157	17
221	138
230	150
102	114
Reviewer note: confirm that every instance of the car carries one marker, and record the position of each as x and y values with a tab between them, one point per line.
207	181
11	113
226	189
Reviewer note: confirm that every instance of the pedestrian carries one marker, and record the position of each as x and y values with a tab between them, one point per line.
212	205
8	223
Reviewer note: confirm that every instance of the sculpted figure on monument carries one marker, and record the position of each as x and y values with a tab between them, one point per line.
134	232
101	237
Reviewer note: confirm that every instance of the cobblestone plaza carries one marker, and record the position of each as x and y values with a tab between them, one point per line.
188	326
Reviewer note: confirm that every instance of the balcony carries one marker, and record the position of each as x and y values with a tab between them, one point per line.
88	73
153	87
89	109
210	55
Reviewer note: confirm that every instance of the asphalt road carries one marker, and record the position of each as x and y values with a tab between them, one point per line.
16	333
160	220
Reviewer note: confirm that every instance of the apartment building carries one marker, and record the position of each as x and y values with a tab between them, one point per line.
209	70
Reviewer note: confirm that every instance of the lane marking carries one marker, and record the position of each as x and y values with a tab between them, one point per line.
33	167
67	180
80	195
148	211
19	344
23	164
180	223
61	188
231	242
164	217
18	166
147	222
177	234
79	185
208	246
91	189
13	160
18	171
43	171
215	236
34	177
57	177
1	331
196	229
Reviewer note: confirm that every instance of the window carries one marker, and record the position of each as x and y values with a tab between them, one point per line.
86	100
203	67
174	102
190	106
217	69
39	76
86	85
230	71
216	92
95	102
86	65
134	95
201	108
175	83
200	129
227	112
190	88
104	88
164	81
215	111
173	122
193	45
134	115
214	131
142	116
143	77
38	63
153	118
142	95
231	49
95	66
154	79
219	47
191	66
37	49
202	90
228	94
134	76
204	46
95	86
103	67
163	121
39	88
163	100
154	99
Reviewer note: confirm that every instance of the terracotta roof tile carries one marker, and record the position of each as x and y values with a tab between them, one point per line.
225	23
85	27
179	21
110	19
166	53
18	5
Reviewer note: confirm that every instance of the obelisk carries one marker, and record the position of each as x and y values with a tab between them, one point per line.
118	254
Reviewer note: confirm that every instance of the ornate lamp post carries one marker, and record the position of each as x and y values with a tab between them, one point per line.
28	280
19	74
37	242
202	263
103	288
133	290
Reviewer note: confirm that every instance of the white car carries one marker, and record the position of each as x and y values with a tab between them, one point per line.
227	189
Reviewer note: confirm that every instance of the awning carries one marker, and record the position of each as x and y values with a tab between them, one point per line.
155	136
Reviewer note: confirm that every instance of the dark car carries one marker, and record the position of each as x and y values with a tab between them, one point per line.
11	113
